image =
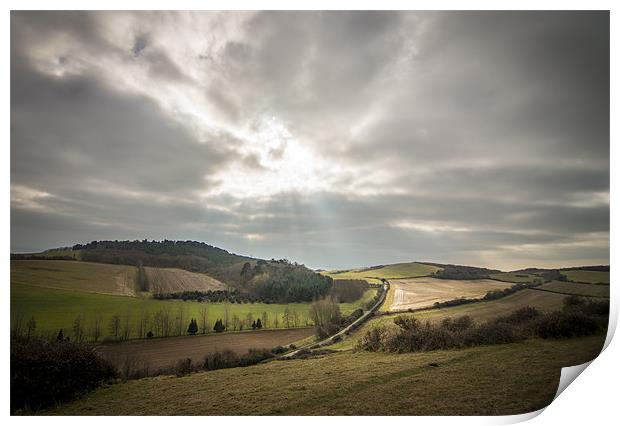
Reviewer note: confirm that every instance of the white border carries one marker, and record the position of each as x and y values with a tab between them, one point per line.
591	400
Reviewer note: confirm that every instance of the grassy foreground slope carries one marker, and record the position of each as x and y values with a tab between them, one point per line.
396	270
488	380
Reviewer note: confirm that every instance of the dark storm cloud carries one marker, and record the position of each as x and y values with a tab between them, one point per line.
468	137
74	129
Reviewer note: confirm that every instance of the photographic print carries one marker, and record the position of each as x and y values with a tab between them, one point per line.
306	212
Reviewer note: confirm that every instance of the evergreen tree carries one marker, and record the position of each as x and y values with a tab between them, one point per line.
193	327
60	336
259	324
219	326
253	325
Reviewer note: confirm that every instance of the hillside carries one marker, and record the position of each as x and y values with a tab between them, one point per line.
269	280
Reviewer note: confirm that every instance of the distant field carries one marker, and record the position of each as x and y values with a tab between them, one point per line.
159	353
515	277
77	276
591	277
577	288
397	270
423	292
489	380
76	254
172	280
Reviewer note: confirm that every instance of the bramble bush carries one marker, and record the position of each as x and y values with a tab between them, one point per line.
45	372
579	317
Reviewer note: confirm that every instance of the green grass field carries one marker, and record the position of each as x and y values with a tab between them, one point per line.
591	277
489	380
75	276
55	309
514	277
396	270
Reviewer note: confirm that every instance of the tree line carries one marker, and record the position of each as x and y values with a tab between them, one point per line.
164	322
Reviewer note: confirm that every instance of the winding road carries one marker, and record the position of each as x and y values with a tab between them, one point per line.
355	324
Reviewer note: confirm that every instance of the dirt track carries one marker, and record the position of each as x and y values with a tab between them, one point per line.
159	353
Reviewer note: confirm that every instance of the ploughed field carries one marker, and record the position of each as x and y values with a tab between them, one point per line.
161	353
172	280
488	380
424	292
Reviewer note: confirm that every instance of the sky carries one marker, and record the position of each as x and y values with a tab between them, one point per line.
334	139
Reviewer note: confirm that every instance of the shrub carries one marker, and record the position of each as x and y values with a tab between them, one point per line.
254	356
457	324
372	340
576	303
183	367
454	302
46	372
278	350
520	316
564	324
228	359
218	360
491	333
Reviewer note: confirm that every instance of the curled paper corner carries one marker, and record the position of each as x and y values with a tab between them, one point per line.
517	418
568	375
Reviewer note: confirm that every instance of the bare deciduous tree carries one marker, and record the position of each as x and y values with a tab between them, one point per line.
204	325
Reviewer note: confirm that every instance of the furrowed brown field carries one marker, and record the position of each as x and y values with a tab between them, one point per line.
160	353
423	292
172	280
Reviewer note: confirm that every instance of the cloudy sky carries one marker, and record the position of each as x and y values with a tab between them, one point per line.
334	139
